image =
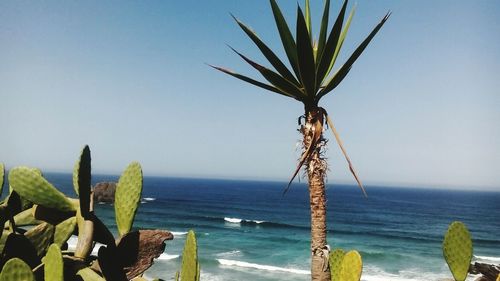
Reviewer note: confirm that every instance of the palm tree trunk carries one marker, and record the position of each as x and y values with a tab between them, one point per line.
316	171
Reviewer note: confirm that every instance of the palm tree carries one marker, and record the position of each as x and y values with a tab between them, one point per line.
308	80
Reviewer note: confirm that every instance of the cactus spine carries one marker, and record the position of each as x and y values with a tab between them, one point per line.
457	250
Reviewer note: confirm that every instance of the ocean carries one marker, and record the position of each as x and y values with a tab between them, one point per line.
247	230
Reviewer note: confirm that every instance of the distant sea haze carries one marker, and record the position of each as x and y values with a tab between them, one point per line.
248	231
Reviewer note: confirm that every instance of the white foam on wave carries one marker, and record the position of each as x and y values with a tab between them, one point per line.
261	266
149	199
233	220
238	220
371	273
486	259
179	233
166	257
229	253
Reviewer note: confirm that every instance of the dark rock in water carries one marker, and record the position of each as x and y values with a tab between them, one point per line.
104	192
488	271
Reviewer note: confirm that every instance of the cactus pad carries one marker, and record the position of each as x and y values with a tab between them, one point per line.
32	186
16	270
53	264
41	236
457	250
127	197
25	218
2	176
81	180
335	261
351	267
64	230
88	274
189	268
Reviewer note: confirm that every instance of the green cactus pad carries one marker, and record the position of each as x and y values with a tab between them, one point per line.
4	235
351	267
64	230
41	237
82	179
53	264
335	261
127	197
457	250
198	273
32	186
189	267
16	270
2	176
25	218
88	274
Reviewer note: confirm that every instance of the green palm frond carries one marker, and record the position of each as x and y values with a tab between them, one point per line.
311	61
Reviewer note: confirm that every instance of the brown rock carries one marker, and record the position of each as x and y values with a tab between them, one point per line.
104	192
489	271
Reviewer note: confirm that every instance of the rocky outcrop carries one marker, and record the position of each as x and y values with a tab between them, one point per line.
104	192
489	272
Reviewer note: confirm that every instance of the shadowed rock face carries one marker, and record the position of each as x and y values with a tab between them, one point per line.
105	192
490	272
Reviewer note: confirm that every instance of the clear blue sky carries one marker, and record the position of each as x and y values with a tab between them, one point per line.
420	107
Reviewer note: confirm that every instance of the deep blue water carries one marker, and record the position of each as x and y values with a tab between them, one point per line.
398	231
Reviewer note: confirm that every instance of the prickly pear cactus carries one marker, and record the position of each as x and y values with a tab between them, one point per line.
25	218
457	250
351	267
88	274
2	175
32	186
335	261
64	230
82	179
16	270
190	266
41	237
127	197
53	264
198	273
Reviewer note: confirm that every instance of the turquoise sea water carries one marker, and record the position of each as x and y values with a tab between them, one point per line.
247	231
